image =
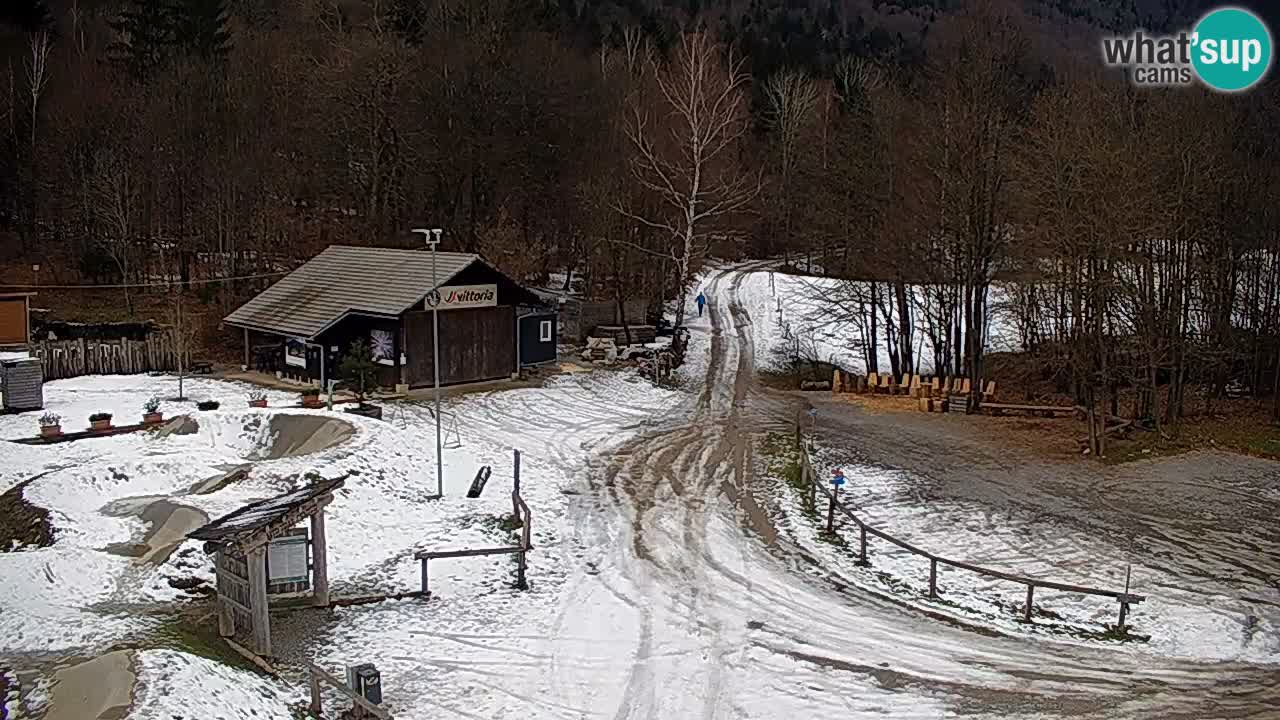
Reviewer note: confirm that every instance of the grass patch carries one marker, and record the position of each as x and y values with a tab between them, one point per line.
782	460
21	523
1248	436
201	638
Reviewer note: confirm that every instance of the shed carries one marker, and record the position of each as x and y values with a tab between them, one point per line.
22	384
15	320
537	337
258	552
303	324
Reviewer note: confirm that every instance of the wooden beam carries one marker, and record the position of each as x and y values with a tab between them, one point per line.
479	552
319	560
258	601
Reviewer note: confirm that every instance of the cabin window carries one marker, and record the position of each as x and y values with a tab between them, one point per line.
544	331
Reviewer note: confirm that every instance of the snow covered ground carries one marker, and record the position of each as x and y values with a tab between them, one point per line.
78	598
1204	624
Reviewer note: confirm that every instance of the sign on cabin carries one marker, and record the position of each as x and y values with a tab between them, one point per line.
457	297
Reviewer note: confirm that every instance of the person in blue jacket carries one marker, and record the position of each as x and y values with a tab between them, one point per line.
702	300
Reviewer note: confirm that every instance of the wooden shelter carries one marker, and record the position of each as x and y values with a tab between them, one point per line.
305	323
256	551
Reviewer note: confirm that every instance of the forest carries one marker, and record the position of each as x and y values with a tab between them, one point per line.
925	152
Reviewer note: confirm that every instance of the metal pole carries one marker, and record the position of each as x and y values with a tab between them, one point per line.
435	367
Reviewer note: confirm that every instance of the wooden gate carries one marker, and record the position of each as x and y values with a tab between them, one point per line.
475	344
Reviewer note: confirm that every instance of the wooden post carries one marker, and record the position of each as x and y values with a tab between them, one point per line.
515	485
933	578
246	349
425	589
258	601
316	708
831	510
1030	591
1124	605
863	544
521	566
806	473
319	560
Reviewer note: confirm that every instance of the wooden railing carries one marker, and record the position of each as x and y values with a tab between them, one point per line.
520	550
815	484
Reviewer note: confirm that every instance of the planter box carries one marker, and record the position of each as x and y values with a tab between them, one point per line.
99	425
261	403
312	401
369	411
50	431
152	418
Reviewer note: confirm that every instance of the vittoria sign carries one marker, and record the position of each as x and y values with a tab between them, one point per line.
455	297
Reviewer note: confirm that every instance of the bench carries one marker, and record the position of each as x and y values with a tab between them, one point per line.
204	367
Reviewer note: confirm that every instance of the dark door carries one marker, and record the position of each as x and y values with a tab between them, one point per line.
475	344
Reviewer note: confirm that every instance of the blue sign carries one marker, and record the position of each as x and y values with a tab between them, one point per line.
837	478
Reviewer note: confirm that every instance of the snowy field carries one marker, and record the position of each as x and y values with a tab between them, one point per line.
784	307
79	597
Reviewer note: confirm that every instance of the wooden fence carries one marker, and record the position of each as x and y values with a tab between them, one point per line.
73	358
1124	598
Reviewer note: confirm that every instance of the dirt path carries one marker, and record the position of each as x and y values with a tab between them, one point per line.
721	624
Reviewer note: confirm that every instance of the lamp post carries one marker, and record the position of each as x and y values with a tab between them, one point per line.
432	236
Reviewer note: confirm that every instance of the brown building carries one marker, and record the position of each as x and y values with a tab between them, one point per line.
15	320
490	326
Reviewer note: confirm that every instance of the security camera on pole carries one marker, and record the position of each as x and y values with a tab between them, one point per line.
432	237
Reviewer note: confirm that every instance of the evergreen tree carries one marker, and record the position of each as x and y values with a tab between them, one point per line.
200	28
145	30
358	368
27	15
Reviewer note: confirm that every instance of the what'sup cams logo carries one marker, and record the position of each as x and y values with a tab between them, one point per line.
1229	50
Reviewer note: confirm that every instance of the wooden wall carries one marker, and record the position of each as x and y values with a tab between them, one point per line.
475	344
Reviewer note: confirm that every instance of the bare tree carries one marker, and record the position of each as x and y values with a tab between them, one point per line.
37	76
790	98
113	196
685	156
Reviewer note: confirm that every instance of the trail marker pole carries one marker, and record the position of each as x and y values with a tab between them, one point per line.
837	479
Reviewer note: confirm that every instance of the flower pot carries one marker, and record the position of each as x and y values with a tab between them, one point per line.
260	403
154	418
50	431
99	425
